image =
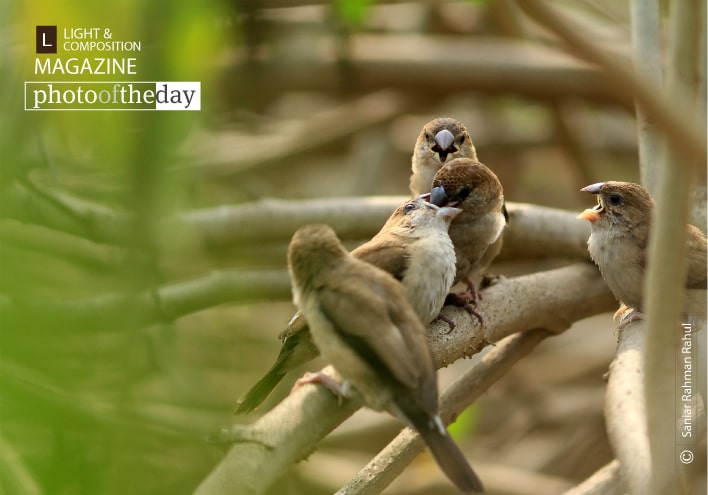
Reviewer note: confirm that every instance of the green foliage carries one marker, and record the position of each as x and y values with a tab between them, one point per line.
74	415
465	424
353	12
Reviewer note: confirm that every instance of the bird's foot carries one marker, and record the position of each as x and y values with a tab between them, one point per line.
450	323
339	390
628	317
617	316
473	293
464	301
237	434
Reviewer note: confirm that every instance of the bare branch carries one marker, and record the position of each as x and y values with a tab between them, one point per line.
646	37
669	114
665	281
552	300
378	61
224	155
533	231
625	411
163	304
605	481
392	460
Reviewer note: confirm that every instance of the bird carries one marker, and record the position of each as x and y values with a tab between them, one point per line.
441	140
362	321
619	235
477	232
414	247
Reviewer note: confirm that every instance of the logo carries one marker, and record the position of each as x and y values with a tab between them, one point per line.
46	39
75	79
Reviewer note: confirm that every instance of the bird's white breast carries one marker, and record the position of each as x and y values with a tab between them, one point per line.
428	281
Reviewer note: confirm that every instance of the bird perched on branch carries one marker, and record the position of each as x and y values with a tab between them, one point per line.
441	140
363	323
414	247
619	236
476	233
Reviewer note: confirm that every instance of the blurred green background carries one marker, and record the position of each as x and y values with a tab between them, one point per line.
107	389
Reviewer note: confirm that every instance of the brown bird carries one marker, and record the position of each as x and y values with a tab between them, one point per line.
476	233
619	236
414	247
440	141
363	323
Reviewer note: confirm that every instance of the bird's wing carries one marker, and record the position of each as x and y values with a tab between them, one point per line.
390	255
360	315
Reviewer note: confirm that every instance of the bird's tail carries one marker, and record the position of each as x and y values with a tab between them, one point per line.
259	392
449	456
297	349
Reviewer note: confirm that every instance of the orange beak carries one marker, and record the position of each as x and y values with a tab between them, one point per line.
591	214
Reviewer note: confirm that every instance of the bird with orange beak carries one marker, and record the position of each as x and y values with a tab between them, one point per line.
620	227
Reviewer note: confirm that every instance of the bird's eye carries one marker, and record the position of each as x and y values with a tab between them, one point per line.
615	199
462	139
463	192
427	136
409	207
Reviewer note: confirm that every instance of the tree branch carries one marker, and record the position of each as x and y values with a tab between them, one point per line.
377	61
533	231
669	114
393	459
163	304
646	37
665	281
552	300
625	411
605	481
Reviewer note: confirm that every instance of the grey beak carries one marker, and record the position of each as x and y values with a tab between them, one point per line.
438	197
593	188
444	139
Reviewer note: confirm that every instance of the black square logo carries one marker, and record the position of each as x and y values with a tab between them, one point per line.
46	39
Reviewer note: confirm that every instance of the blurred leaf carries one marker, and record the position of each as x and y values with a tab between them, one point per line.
465	425
353	12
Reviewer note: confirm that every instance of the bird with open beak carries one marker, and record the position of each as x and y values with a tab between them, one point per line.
441	140
620	226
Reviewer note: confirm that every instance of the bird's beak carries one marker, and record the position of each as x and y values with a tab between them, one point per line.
444	139
438	196
425	197
593	188
448	212
591	214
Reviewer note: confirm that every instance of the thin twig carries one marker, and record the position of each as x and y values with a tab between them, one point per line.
669	114
392	460
605	481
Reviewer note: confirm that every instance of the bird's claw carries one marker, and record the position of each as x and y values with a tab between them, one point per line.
472	293
629	317
463	300
450	323
339	390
